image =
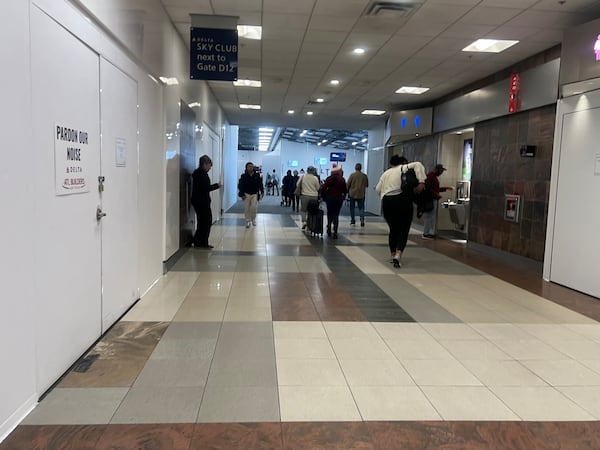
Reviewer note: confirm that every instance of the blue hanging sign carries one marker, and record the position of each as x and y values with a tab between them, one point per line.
213	54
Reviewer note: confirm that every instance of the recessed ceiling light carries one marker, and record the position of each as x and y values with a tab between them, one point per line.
266	129
363	140
194	105
169	81
291	111
334	82
309	113
249	32
411	90
248	83
359	51
373	112
320	100
489	45
244	106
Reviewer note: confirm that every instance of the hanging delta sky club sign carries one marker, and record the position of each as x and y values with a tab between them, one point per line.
213	54
71	151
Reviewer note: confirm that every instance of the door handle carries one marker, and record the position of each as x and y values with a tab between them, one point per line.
99	214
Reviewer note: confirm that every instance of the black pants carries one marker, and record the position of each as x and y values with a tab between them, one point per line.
334	206
203	225
398	213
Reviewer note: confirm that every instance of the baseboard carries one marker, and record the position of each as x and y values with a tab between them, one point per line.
17	417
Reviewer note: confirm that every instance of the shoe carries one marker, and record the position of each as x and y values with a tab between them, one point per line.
352	222
304	226
428	237
248	224
328	232
396	262
362	223
334	236
254	223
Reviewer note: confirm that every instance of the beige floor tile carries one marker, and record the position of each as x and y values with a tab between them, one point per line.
299	348
309	372
393	403
317	404
502	373
386	372
440	373
563	372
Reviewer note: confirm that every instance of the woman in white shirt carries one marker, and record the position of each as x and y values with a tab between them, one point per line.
397	205
308	187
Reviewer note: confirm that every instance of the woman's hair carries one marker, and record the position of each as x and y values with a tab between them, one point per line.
312	170
396	160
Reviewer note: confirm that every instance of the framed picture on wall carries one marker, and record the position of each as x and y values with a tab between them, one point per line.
512	205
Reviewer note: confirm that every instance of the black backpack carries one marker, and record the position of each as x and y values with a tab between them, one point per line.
409	180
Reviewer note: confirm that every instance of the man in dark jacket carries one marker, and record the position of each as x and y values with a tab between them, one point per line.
250	189
201	190
433	184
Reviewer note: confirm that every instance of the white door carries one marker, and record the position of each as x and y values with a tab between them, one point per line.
119	167
212	147
65	80
574	261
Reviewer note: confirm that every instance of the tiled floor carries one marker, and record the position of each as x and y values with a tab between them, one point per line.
276	340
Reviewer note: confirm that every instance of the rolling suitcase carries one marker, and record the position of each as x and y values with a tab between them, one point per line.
314	222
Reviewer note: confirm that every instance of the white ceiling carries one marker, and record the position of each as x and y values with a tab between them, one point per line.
306	43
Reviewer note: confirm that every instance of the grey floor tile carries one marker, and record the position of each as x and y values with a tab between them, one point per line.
159	405
184	348
174	372
245	349
70	406
240	404
235	372
246	329
192	330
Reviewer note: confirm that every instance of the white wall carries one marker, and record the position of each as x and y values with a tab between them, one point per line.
21	228
572	241
17	379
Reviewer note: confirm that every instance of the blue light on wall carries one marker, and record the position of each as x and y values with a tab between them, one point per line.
403	122
417	121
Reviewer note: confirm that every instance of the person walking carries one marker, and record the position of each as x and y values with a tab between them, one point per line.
397	204
433	184
295	197
201	189
275	183
357	185
250	189
334	192
308	189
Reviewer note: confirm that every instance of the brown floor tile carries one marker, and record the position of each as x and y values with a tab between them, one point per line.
53	437
105	373
485	435
234	436
326	436
130	340
297	311
340	314
146	437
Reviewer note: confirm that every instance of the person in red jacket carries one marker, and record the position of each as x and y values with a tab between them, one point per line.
334	192
433	184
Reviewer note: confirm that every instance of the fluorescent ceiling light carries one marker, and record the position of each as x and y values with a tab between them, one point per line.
373	112
411	90
309	113
334	82
195	105
248	83
359	51
169	81
244	106
320	100
363	140
489	45
249	32
291	111
266	129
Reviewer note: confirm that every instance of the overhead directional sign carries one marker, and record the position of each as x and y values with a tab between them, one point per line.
213	54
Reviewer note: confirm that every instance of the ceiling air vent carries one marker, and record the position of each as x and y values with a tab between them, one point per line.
378	8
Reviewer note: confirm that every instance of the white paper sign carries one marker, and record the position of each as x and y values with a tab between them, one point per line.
120	152
71	152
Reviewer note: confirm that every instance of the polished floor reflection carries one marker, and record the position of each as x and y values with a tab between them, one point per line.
278	340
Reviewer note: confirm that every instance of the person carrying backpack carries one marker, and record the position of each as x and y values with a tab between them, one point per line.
397	187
